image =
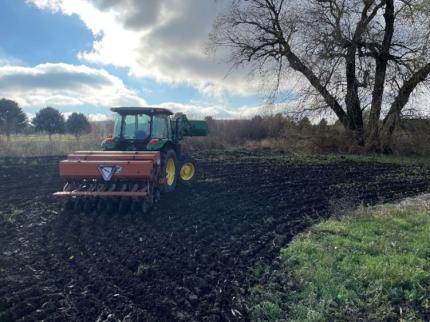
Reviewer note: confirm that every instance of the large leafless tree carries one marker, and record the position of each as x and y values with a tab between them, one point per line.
353	55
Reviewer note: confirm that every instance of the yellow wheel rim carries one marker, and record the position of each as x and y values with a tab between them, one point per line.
187	171
170	172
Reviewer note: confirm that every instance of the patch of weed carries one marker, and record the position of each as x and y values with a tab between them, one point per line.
142	268
10	216
371	265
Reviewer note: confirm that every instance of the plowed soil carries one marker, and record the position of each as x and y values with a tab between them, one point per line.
185	261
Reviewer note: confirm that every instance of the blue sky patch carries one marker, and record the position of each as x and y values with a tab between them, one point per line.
35	36
31	36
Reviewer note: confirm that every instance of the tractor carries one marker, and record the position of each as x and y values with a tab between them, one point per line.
141	160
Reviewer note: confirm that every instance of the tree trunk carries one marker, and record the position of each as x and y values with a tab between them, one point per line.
357	146
386	134
373	141
7	131
352	100
392	119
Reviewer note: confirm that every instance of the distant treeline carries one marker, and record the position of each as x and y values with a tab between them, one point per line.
275	132
48	120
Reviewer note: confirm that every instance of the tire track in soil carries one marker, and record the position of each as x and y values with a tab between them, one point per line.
186	260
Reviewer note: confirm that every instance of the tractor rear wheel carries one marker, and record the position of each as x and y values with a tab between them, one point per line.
187	171
169	169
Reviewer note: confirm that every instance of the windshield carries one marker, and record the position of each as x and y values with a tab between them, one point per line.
132	127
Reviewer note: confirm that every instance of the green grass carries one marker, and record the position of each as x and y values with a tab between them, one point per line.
11	215
371	265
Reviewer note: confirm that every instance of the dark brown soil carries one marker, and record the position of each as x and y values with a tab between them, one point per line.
185	261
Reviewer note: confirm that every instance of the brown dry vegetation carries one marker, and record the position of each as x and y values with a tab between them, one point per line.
36	144
275	133
282	134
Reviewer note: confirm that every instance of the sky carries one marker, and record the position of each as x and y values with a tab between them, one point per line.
89	55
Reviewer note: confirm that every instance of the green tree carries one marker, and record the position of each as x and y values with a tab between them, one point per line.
78	124
49	120
12	118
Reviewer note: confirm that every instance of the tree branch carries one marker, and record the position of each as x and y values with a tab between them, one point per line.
381	72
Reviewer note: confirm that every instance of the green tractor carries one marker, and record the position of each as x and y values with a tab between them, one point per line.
142	158
157	129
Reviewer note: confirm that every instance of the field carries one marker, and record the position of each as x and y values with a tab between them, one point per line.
188	260
40	144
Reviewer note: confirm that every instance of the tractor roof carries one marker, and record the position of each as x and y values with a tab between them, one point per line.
139	110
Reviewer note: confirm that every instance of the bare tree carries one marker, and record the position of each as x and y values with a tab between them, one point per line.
351	55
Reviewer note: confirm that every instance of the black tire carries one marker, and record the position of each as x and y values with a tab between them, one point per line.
167	155
187	171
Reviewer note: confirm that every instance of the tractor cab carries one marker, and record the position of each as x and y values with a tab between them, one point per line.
139	129
151	129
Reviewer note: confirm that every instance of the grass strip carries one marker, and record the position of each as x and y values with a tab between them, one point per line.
371	265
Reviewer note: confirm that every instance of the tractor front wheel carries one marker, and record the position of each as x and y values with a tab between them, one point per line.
187	171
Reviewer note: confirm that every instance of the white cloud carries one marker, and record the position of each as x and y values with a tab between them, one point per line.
199	110
6	60
67	115
93	117
419	103
60	85
97	117
162	40
63	85
165	41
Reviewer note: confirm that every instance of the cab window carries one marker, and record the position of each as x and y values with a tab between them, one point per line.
136	127
160	127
